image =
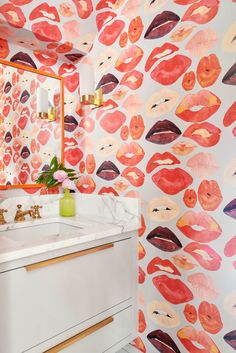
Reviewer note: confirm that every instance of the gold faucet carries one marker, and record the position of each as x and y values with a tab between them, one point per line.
35	211
20	215
2	219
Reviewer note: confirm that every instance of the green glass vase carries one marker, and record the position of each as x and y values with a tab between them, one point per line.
67	204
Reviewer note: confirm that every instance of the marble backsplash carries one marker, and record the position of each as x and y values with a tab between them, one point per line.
117	210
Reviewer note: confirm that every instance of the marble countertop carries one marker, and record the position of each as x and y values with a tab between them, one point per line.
35	237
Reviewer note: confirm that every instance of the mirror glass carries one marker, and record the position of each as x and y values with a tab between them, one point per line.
29	137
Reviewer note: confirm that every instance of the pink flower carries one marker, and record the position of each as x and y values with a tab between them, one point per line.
60	176
68	184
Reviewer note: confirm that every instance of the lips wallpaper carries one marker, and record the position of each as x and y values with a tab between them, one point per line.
166	134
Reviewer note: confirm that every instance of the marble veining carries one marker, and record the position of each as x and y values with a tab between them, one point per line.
97	217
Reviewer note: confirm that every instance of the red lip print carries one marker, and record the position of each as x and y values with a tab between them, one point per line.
161	25
173	290
22	122
211	229
158	264
87	124
159	53
103	18
204	255
172	181
108	105
46	57
130	154
134	175
141	275
70	142
141	251
190	198
43	137
190	313
230	115
204	101
36	161
209	195
23	177
107	191
111	32
105	3
108	171
141	320
72	82
189	335
189	81
205	134
90	163
202	12
208	70
13	15
46	32
4	48
143	227
66	69
123	39
159	159
136	127
86	184
209	317
169	71
135	29
73	156
111	122
84	8
44	10
64	48
124	132
230	247
133	79
138	344
129	59
17	144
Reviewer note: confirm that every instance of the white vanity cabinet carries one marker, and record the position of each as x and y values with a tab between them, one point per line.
83	301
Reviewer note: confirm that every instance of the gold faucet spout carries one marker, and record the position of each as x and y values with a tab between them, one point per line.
20	215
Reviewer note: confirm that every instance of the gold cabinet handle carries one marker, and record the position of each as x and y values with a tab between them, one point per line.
63	258
59	347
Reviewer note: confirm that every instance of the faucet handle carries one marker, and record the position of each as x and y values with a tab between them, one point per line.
35	211
2	219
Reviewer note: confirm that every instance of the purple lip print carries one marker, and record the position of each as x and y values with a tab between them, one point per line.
161	25
163	342
163	132
23	59
164	239
108	171
70	123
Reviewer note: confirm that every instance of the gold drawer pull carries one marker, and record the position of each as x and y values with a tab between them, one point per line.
59	347
59	259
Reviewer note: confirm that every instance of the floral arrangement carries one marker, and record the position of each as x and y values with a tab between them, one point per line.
56	174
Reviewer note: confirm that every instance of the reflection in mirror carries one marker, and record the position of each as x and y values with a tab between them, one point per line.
31	121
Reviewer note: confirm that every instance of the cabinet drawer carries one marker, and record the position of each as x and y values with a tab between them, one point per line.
99	337
43	300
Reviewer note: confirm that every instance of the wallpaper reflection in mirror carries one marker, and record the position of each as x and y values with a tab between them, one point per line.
27	143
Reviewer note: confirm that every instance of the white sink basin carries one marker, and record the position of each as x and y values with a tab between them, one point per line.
55	231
